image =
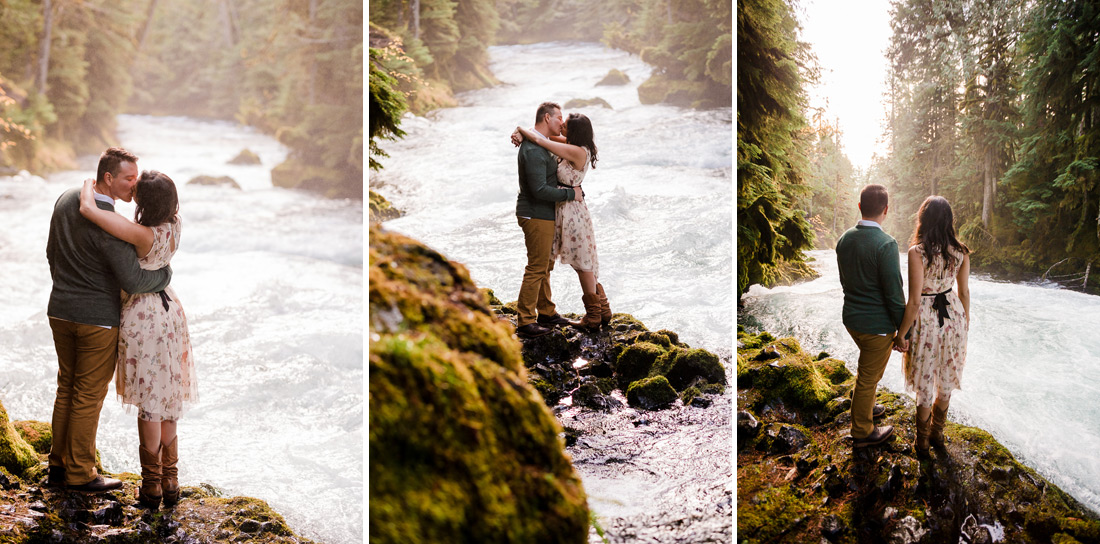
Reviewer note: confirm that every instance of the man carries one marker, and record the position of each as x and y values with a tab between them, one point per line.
89	269
538	191
870	273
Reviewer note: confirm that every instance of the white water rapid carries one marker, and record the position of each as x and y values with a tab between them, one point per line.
1032	375
272	282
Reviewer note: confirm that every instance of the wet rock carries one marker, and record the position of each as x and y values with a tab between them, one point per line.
614	77
768	354
635	362
683	367
832	528
16	455
110	514
576	103
786	439
907	531
838	405
1001	474
651	393
250	526
224	181
589	396
893	483
246	156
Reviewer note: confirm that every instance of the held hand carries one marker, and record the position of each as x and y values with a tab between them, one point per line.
87	199
901	344
517	137
578	194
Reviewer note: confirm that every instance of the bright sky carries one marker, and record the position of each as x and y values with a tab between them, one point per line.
850	39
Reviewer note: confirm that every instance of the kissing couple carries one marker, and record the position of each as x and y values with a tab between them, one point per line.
554	157
113	314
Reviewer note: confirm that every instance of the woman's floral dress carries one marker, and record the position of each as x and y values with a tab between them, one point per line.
937	353
156	369
574	239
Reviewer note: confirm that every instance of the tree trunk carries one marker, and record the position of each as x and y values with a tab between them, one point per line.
229	32
836	203
312	65
416	19
145	27
44	52
987	189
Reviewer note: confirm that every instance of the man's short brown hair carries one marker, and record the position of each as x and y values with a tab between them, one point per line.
545	108
111	159
873	200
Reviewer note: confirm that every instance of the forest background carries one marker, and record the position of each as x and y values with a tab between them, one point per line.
291	68
992	104
422	52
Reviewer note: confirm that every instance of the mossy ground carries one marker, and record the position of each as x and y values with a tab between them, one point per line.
462	448
820	488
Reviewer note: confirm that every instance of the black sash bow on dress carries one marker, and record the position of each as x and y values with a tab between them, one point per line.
165	300
940	304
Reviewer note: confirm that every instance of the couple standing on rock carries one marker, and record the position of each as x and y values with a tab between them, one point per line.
113	314
554	156
930	329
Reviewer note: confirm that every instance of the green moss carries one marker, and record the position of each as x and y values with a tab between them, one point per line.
660	338
687	395
627	321
790	374
380	208
635	362
753	341
769	514
491	297
37	433
461	448
606	385
683	366
16	454
714	388
651	393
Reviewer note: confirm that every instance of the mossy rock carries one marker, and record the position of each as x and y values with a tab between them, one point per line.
246	156
791	376
683	367
16	454
331	183
635	362
577	103
224	181
37	433
664	338
461	447
614	77
651	393
491	297
380	209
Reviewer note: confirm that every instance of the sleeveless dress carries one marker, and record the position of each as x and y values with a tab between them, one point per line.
574	238
937	353
156	369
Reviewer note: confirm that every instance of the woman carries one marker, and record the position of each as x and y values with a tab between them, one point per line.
937	315
155	370
574	239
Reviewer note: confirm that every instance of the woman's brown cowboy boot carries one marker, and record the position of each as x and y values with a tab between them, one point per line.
605	308
939	417
591	319
150	493
924	428
169	482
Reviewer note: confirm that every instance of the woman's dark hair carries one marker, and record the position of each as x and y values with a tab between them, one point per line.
936	230
156	198
578	132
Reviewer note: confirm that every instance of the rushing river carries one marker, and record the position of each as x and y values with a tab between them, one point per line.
1032	375
661	203
272	281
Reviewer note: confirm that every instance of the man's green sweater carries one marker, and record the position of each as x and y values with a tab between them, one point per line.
538	183
90	267
870	273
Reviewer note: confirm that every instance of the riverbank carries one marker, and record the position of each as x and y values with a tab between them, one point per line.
800	481
31	512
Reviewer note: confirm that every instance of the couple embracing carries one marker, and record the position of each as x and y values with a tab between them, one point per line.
930	329
113	315
553	158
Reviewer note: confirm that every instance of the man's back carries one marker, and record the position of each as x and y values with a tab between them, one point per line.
538	183
90	267
870	274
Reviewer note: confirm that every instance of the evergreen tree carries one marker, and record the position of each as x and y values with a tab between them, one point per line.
771	141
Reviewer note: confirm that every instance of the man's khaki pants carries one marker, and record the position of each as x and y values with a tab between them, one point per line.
86	357
534	293
874	353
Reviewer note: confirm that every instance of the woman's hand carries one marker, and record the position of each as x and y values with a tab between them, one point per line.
517	137
87	197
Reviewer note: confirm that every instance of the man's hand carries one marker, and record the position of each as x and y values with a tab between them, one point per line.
517	137
578	194
900	344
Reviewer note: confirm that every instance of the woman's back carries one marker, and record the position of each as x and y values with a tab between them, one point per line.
937	277
166	239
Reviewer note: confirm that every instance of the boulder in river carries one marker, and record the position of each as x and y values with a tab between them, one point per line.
586	102
462	448
614	77
246	156
16	455
224	181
